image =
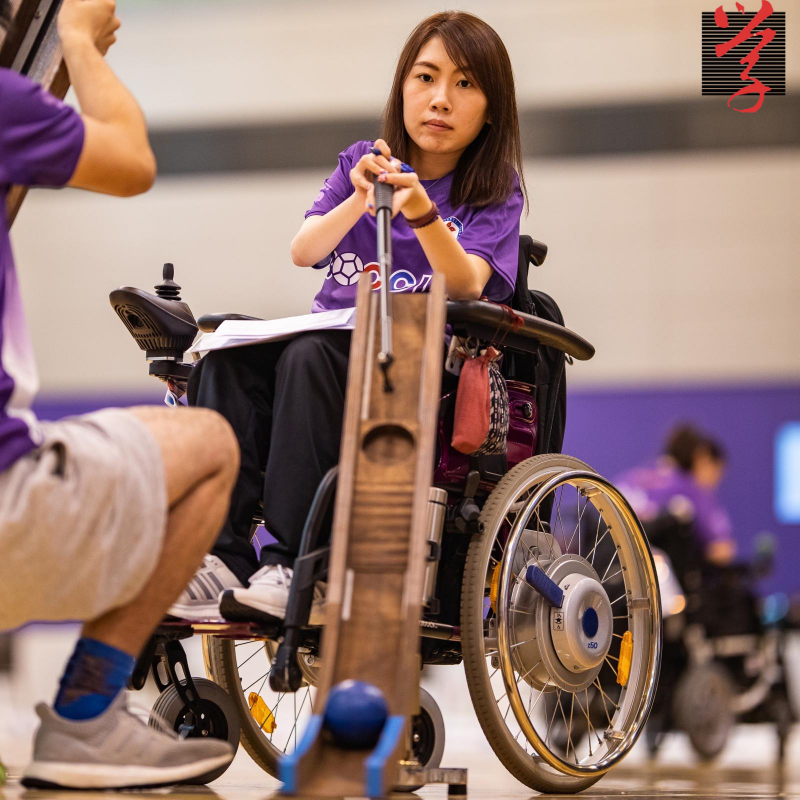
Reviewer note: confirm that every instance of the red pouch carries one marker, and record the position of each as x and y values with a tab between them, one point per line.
473	424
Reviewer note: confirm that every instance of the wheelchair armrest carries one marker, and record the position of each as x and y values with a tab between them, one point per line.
208	323
478	318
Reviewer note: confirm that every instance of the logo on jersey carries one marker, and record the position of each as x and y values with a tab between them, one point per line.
455	226
346	268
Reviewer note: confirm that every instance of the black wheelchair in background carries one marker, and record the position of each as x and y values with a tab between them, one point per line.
724	657
531	610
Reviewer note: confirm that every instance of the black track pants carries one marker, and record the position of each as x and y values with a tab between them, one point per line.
285	402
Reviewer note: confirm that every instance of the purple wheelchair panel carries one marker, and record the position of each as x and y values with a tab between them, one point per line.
452	467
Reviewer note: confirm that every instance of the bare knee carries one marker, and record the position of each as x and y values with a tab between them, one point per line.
212	442
225	447
197	445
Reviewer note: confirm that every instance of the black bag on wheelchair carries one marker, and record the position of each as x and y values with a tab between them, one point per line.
545	369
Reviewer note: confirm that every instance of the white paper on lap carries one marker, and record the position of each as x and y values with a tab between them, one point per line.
239	333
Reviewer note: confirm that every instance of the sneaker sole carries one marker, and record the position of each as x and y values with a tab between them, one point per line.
195	613
235	611
57	775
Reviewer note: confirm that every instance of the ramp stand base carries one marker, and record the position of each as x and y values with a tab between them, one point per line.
454	777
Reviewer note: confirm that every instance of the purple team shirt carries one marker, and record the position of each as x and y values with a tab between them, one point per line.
40	142
664	488
491	233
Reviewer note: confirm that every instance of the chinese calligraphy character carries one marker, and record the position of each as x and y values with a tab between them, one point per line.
767	35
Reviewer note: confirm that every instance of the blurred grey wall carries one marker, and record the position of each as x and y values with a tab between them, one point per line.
671	219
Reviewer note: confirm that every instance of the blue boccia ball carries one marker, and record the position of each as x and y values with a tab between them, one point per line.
355	714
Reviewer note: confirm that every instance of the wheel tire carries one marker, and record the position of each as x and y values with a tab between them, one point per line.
220	658
220	717
703	709
428	736
510	754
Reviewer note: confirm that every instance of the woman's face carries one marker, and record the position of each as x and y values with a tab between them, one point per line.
443	109
706	470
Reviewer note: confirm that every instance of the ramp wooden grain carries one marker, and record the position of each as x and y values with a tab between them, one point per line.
379	546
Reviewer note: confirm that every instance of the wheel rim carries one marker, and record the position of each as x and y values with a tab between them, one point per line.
212	722
423	737
526	652
290	710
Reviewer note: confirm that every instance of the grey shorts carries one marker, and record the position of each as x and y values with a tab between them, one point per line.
82	520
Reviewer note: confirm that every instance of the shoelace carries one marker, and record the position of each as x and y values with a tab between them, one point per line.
282	579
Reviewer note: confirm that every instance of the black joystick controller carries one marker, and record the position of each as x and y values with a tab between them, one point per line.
168	289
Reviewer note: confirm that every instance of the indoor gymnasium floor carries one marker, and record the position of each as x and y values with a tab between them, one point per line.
746	768
488	781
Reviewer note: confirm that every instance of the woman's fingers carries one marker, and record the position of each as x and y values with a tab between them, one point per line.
359	180
378	164
370	201
406	179
382	148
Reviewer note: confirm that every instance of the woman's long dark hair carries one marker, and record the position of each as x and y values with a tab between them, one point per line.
484	174
5	14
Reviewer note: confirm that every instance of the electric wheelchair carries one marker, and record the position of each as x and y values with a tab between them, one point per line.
533	604
723	646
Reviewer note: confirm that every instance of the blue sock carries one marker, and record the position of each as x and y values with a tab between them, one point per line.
95	675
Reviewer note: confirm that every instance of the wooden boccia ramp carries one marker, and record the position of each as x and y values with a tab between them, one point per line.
31	47
378	553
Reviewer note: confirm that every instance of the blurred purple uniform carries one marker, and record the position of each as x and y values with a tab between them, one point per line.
663	488
491	233
40	142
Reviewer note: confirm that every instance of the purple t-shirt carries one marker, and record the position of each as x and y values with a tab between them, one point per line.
40	142
491	233
664	488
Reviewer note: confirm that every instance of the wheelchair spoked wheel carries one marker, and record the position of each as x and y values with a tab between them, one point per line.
272	723
553	521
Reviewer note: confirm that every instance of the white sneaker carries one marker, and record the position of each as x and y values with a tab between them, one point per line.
266	598
199	601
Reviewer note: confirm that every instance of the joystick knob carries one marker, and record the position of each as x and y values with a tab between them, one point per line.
168	289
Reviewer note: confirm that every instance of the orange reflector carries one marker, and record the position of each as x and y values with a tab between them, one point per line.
625	658
494	589
261	713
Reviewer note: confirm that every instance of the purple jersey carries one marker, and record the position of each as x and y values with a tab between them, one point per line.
491	233
40	142
665	489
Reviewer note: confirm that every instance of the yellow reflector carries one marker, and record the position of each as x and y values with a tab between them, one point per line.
494	589
261	713
625	658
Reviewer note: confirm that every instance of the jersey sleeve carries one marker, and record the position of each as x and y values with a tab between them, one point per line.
41	138
493	234
713	522
338	187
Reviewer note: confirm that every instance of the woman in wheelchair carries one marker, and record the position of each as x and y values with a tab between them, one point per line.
682	486
451	147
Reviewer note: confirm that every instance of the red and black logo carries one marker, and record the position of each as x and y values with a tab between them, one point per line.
744	54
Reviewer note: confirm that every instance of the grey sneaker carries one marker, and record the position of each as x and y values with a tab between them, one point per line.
199	601
116	751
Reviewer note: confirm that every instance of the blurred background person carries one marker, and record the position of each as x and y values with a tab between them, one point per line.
683	484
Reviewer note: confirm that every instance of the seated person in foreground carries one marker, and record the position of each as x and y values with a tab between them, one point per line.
103	518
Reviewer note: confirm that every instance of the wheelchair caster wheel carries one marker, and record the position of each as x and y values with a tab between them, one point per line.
217	718
427	736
